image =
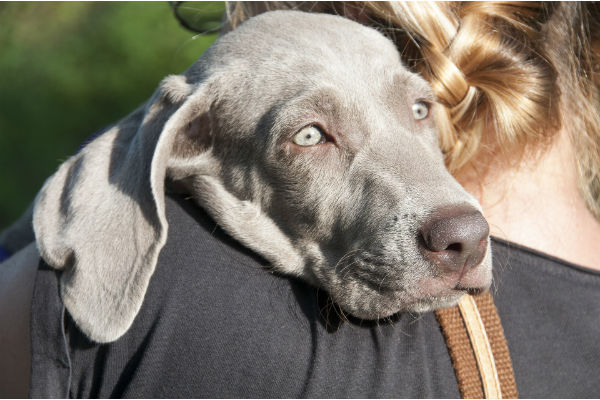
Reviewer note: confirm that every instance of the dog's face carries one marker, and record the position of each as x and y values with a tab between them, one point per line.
324	149
306	140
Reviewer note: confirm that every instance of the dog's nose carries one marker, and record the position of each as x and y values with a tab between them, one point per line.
455	238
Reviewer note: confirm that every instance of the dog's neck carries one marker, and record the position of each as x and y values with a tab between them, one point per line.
539	205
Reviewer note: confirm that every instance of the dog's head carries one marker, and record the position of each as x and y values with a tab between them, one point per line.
307	140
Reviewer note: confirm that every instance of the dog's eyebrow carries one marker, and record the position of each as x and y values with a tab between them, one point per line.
416	86
318	101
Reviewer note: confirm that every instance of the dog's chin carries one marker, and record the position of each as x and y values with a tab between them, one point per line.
438	302
388	307
365	303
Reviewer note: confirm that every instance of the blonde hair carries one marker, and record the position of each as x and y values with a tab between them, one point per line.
507	75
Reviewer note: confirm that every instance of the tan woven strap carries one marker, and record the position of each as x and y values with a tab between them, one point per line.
461	353
478	349
495	333
481	347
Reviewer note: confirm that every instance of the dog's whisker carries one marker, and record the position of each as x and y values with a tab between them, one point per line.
348	269
345	257
341	314
383	280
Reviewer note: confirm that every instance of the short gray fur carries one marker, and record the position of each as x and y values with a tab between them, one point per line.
343	217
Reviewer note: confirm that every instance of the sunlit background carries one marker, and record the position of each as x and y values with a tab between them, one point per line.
69	69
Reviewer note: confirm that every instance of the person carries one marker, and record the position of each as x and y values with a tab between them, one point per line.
518	89
520	127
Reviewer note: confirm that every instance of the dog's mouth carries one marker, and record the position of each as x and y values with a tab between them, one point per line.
377	290
474	291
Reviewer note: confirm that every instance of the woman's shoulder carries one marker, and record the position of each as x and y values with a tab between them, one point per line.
549	310
216	322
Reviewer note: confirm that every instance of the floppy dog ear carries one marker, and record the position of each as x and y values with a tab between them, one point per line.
101	217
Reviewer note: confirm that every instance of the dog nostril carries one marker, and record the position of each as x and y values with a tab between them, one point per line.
455	237
454	247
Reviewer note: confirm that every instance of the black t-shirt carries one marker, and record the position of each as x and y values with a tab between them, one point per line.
216	323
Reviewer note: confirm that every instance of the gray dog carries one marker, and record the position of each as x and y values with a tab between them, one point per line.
308	141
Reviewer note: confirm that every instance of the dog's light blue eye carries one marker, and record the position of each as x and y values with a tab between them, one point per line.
309	136
420	110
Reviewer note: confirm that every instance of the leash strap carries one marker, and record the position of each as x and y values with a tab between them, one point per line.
478	348
481	347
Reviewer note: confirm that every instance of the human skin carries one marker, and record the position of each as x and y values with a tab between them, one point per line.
537	203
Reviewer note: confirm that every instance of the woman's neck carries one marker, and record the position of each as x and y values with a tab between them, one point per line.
538	205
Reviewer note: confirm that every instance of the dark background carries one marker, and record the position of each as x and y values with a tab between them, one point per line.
69	69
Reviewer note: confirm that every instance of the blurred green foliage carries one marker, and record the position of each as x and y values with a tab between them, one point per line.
69	69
